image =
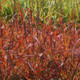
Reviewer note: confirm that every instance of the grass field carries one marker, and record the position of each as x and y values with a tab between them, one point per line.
39	39
53	9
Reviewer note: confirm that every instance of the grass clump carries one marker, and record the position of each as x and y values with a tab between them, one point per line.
35	47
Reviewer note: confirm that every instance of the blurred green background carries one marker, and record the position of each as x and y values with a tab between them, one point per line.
47	8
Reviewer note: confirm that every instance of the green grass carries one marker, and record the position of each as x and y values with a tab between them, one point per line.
53	9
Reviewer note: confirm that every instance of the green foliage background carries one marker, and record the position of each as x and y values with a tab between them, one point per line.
52	8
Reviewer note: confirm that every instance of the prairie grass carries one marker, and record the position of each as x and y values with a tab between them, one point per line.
39	47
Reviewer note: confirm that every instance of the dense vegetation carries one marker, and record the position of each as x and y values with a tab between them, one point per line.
51	9
39	40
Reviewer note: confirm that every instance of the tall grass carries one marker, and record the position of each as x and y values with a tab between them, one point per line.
50	9
33	49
